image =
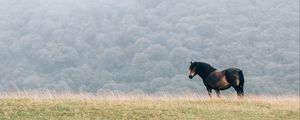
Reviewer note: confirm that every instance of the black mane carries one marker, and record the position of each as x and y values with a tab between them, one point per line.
204	69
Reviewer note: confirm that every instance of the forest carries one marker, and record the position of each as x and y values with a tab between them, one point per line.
145	46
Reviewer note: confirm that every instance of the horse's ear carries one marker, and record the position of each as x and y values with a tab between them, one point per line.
191	62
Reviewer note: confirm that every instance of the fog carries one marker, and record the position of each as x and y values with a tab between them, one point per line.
145	46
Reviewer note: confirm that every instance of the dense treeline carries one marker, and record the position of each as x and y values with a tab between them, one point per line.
146	45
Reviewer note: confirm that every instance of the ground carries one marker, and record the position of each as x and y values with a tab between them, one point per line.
130	107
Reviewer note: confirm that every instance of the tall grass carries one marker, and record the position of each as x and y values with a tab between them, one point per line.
69	105
39	95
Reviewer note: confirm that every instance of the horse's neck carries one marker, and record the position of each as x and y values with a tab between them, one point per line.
207	73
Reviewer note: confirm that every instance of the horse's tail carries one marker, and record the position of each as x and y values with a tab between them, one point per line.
241	85
241	75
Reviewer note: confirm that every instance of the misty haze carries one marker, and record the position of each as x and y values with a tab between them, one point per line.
145	46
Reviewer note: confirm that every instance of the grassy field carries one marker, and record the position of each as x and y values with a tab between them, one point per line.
146	107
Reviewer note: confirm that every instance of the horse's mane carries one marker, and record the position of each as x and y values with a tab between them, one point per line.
204	69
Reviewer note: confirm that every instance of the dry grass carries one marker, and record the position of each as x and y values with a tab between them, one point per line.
48	105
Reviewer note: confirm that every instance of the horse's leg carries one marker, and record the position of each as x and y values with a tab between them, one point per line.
218	93
240	92
209	91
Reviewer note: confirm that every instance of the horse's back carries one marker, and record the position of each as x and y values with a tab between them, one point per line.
232	69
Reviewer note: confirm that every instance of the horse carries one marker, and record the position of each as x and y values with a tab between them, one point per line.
218	80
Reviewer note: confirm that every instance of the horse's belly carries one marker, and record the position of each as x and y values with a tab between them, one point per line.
222	84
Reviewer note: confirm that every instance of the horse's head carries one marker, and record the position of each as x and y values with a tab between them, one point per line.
193	70
200	68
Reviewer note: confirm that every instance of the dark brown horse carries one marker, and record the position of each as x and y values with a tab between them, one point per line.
218	80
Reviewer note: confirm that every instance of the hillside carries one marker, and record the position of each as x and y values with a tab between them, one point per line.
136	46
139	107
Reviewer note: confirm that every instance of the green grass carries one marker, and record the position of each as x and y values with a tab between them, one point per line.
148	108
